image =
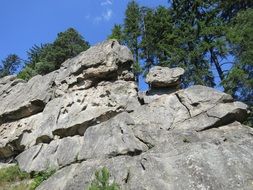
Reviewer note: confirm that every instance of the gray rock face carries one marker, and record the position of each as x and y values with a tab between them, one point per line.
106	140
73	113
89	114
202	161
164	77
26	99
7	79
14	135
105	61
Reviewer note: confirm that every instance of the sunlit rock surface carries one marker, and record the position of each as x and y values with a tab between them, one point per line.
89	114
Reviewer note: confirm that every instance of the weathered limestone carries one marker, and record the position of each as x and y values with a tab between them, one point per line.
26	99
89	114
106	140
7	80
105	61
159	77
132	133
57	154
13	135
206	162
161	80
73	113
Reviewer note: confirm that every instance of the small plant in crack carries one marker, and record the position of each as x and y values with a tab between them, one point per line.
39	177
102	181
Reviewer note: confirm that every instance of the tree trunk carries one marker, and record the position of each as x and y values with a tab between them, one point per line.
217	64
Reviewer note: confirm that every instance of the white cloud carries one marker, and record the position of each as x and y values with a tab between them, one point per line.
97	19
106	2
107	15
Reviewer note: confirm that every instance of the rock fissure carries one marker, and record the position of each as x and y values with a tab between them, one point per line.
127	177
80	129
148	144
37	153
24	112
181	101
133	153
225	120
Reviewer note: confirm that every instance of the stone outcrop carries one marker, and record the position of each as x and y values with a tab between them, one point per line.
160	77
19	100
89	114
163	80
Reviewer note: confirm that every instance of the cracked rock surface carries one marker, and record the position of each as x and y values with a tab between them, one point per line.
89	114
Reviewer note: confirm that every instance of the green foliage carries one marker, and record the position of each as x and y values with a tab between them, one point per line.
240	78
27	73
9	65
132	28
11	174
190	34
12	178
200	38
137	69
117	33
21	186
230	8
156	25
67	44
102	181
48	57
39	177
239	81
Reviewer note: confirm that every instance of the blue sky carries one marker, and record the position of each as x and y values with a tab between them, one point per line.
24	23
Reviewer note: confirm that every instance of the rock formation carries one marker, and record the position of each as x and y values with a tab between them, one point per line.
88	115
164	78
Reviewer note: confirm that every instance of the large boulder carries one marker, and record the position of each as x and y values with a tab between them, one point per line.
159	77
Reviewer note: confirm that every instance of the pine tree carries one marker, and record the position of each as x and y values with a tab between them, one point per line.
230	8
117	33
132	34
148	44
188	47
132	28
239	80
10	65
68	44
48	57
